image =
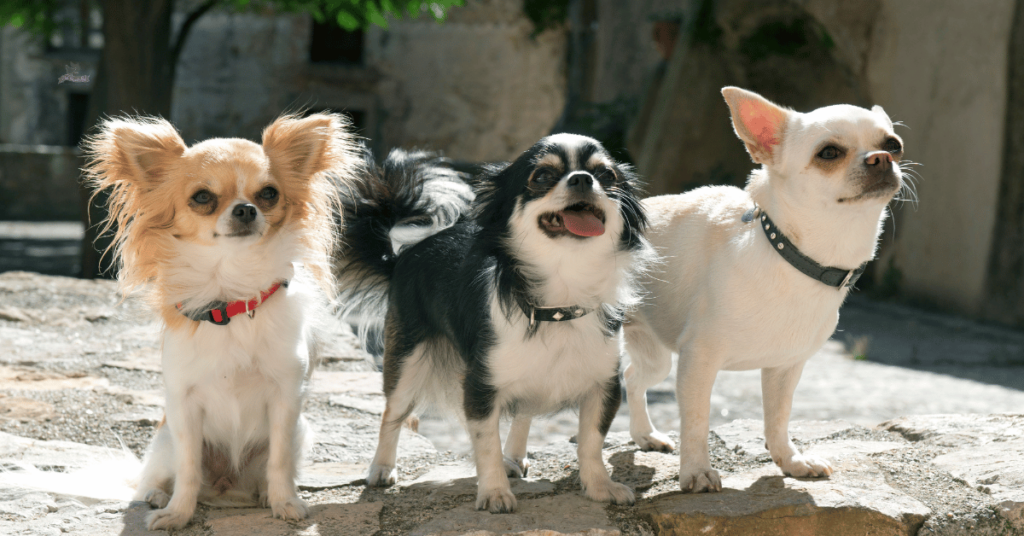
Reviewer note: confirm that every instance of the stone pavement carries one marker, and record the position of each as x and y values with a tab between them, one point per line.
79	377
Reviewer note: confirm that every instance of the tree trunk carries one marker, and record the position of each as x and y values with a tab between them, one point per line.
134	76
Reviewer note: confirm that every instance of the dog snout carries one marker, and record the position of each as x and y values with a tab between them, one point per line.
580	182
878	159
244	212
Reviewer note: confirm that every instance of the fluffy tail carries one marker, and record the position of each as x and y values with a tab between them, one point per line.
392	207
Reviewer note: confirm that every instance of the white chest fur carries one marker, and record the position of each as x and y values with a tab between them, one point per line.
556	366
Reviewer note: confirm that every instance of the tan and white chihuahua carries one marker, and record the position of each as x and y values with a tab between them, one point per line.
230	242
754	278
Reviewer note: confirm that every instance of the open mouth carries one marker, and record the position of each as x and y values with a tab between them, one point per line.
580	219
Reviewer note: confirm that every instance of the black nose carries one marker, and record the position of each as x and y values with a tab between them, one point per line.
244	213
580	182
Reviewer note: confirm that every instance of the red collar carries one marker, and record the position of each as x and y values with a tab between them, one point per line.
220	313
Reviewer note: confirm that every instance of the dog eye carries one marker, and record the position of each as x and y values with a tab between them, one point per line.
542	176
269	193
202	197
892	145
604	175
829	153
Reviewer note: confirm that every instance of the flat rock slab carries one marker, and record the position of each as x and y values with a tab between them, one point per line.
318	476
25	379
747	435
53	454
856	500
324	520
560	514
460	479
371	404
359	383
988	453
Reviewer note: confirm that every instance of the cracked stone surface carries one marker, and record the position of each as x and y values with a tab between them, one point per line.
79	377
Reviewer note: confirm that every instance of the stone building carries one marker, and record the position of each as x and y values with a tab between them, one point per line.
479	87
482	87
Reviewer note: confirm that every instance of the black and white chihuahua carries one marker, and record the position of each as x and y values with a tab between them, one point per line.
507	305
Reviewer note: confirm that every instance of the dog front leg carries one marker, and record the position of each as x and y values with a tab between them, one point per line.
185	423
493	490
777	387
283	456
516	463
694	379
596	414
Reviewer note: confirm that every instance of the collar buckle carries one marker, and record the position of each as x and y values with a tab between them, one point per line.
846	281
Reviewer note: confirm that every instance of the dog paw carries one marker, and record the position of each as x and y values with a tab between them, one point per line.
157	498
654	441
517	468
381	476
803	466
496	501
167	519
699	480
290	509
610	491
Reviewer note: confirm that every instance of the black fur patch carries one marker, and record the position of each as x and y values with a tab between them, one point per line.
442	286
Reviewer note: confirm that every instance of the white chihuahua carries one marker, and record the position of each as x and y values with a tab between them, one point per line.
754	278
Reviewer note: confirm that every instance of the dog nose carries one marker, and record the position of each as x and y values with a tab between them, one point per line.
244	212
878	158
580	182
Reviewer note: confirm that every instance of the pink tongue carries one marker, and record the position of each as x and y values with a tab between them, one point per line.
581	223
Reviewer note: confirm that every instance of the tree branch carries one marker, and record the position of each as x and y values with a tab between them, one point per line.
186	27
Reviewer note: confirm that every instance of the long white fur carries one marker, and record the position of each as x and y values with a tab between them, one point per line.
725	300
253	372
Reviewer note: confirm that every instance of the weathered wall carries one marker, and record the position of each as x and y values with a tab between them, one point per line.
478	87
940	67
33	106
39	182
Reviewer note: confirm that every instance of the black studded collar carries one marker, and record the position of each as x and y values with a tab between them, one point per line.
555	314
833	277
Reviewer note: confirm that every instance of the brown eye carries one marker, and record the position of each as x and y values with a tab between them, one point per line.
268	194
202	197
892	145
542	176
604	175
829	153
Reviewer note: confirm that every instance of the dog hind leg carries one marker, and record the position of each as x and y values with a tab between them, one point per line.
157	477
777	387
399	405
650	363
516	462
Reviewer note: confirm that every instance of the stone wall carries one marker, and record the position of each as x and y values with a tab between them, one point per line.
940	67
478	87
39	182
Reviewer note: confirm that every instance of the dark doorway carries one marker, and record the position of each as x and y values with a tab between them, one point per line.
331	44
78	105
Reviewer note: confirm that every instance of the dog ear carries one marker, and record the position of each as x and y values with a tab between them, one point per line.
878	110
133	150
301	147
757	121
